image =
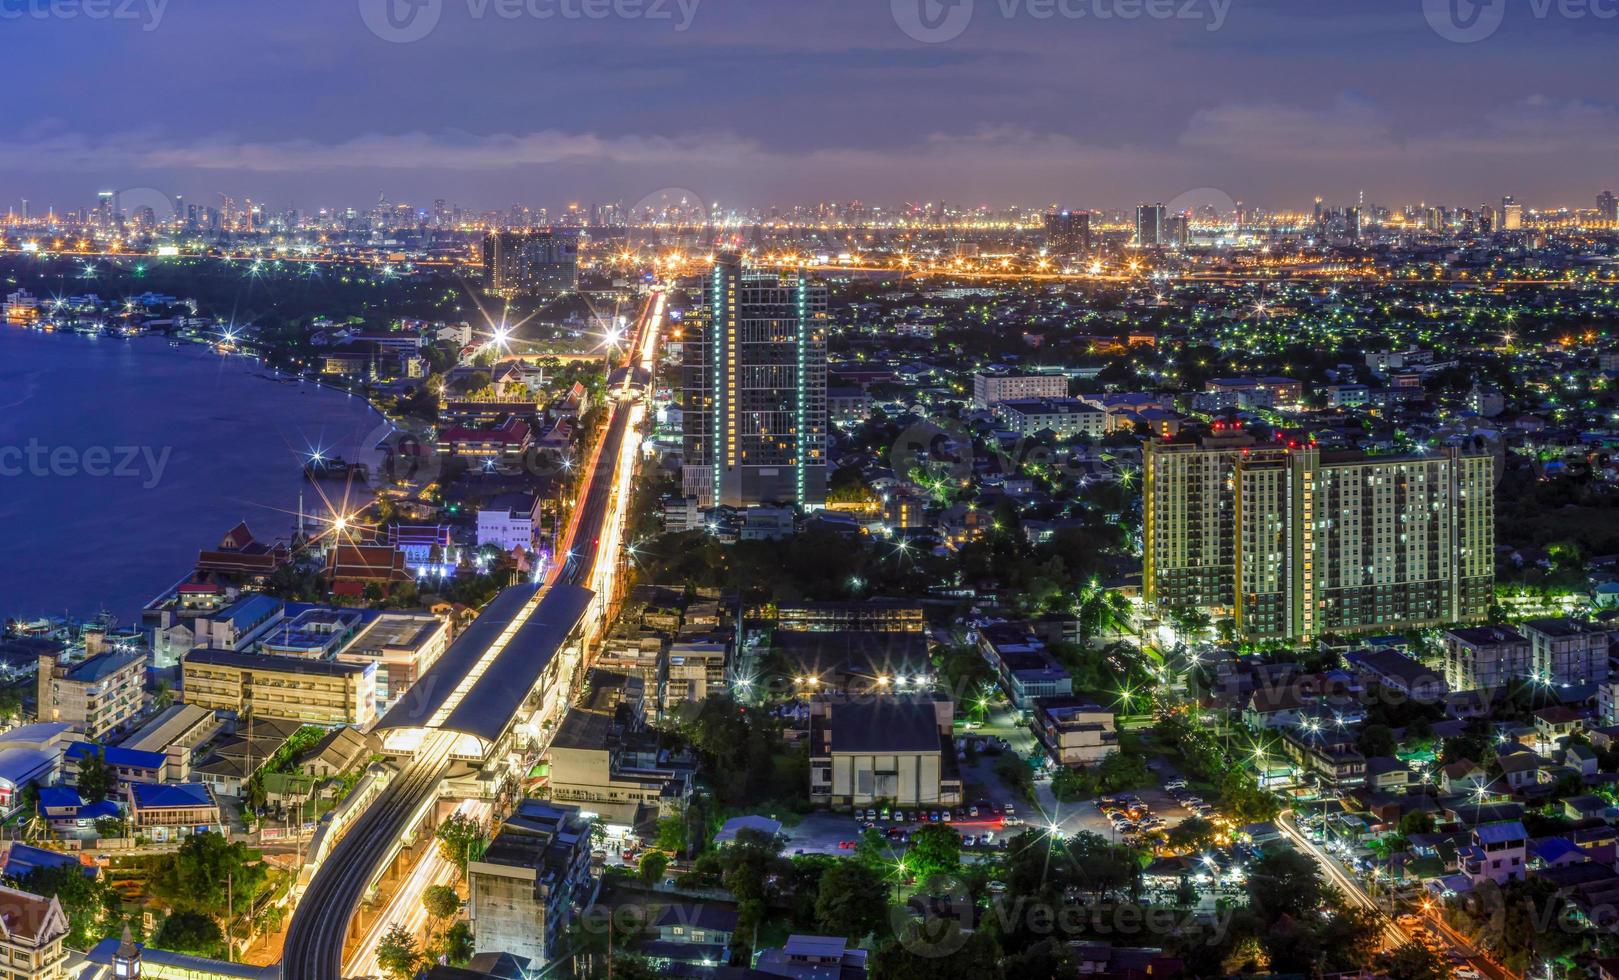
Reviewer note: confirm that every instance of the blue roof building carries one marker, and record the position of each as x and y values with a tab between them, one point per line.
166	811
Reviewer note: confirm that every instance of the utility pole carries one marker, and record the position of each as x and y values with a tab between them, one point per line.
230	915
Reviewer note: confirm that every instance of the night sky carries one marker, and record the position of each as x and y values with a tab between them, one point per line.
299	103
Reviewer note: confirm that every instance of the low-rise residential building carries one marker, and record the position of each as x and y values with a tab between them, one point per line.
696	667
814	958
1568	651
692	935
990	390
895	750
96	696
1497	852
600	760
1396	672
1330	756
1075	731
531	881
1066	418
1486	658
317	692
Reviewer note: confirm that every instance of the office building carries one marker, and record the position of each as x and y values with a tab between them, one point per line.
534	877
754	380
95	696
1607	206
531	263
1294	543
1068	232
402	646
1151	225
990	390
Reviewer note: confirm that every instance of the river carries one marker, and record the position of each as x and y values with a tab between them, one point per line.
120	459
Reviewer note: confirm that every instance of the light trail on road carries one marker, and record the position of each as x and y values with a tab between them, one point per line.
405	908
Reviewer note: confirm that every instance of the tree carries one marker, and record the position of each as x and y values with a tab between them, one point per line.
671	835
1285	883
190	933
1376	740
441	901
1416	822
653	865
461	839
1243	800
935	849
96	778
457	946
1191	834
398	954
915	957
1121	771
852	900
1413	961
209	875
89	904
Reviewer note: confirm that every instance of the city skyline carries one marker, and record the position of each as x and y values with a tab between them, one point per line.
608	108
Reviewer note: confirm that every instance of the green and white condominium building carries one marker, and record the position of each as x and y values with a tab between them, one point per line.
754	389
1293	543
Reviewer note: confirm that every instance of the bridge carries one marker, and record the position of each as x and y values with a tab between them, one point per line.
486	708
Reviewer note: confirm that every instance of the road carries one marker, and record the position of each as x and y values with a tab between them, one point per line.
405	908
320	925
1394	935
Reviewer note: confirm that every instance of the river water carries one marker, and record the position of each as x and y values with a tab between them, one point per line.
120	459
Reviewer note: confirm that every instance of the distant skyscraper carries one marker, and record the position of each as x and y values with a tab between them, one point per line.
1607	206
1511	214
1150	225
1178	228
531	263
754	389
1068	232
